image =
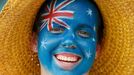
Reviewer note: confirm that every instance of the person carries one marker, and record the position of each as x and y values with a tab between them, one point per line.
67	36
16	20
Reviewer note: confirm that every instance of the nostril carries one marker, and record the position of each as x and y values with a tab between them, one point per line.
69	46
72	47
64	45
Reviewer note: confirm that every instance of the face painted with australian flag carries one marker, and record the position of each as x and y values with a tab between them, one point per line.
67	36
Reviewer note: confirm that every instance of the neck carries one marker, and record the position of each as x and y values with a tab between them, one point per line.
86	74
44	71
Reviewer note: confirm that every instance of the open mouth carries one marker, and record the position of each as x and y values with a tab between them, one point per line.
67	61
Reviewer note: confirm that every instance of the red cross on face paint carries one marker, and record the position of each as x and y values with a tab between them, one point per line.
55	13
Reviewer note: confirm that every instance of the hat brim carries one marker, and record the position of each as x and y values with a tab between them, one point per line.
117	52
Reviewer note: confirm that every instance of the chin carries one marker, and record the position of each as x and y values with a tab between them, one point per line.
66	63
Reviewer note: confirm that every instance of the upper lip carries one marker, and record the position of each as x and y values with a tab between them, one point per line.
68	57
66	60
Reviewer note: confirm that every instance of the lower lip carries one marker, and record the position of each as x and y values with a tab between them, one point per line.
65	64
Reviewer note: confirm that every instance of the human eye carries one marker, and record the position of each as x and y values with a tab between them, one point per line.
57	30
83	33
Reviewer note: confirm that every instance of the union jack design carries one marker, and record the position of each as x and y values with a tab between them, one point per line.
55	14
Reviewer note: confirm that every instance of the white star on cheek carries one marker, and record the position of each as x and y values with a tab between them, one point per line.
89	12
43	43
88	54
93	40
94	28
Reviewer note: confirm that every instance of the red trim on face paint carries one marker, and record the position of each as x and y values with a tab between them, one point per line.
55	13
60	23
59	14
63	4
50	24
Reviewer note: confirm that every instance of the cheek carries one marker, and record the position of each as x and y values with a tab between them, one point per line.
48	44
88	48
46	47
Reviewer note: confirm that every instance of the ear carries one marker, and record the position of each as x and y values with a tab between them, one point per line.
98	50
34	42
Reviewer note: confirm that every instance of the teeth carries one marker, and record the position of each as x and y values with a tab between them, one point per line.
64	58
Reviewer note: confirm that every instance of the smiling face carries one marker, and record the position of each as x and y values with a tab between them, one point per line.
68	36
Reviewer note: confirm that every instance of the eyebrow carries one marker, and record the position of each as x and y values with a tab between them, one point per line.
86	26
80	25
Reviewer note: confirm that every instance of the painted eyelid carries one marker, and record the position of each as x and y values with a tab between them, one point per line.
59	30
82	34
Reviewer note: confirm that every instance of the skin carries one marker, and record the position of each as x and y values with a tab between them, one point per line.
79	38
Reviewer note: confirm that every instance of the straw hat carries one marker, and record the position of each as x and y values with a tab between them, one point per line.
117	54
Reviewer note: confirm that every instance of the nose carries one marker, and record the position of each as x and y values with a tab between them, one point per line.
69	41
69	44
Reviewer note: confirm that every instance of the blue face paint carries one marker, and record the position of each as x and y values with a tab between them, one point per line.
2	3
68	36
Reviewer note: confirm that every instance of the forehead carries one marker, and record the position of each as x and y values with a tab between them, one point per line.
84	11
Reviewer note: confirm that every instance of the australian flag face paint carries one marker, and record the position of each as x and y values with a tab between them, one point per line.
67	36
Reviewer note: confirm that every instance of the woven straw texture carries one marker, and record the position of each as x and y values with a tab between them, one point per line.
117	53
16	22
